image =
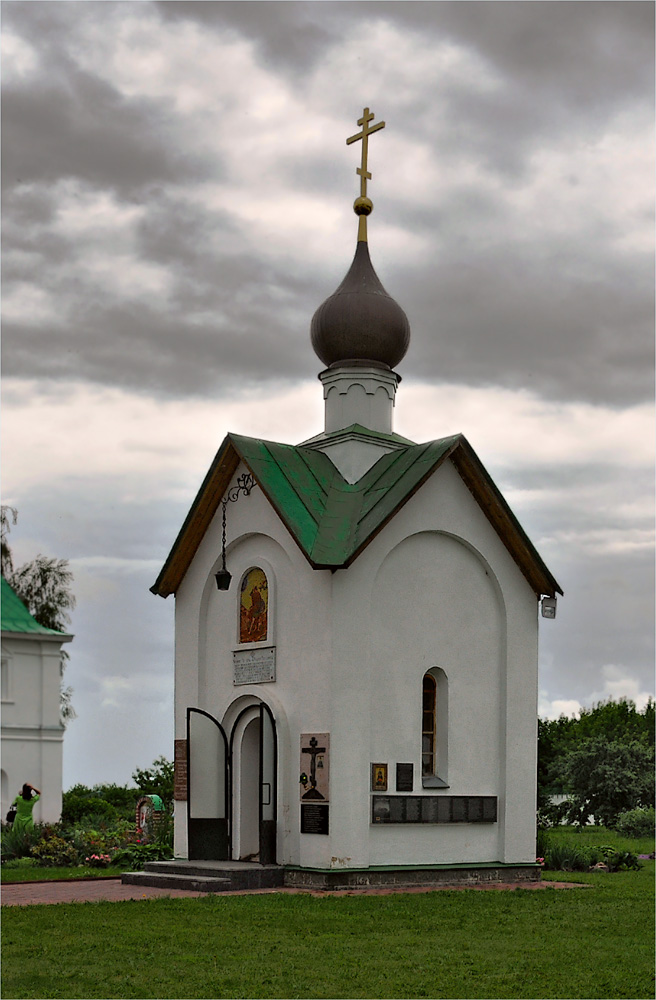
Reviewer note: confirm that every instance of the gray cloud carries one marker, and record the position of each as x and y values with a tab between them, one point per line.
565	317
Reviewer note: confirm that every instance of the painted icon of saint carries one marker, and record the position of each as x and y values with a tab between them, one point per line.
253	621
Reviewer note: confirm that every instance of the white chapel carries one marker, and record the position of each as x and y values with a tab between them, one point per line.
356	636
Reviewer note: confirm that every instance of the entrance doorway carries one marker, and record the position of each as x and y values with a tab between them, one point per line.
232	786
253	752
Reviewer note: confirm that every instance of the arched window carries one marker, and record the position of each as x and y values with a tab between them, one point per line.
434	730
254	606
428	726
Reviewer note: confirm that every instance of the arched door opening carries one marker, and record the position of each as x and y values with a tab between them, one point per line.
253	751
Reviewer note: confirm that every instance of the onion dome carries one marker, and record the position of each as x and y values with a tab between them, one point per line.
360	324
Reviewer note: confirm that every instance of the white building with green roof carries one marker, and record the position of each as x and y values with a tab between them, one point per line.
356	638
32	728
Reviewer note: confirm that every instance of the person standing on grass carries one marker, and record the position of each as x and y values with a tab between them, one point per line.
25	803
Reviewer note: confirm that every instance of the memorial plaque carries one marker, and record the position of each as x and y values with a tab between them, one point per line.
459	809
396	809
434	809
180	770
405	777
489	809
314	817
412	809
475	809
254	666
429	808
380	810
443	808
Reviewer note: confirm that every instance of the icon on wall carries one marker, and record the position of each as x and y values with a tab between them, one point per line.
379	777
254	607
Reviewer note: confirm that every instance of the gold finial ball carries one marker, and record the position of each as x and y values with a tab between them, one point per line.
363	206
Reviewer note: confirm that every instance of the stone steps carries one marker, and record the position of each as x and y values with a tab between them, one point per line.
207	876
160	880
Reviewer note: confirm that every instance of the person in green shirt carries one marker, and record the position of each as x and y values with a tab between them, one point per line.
25	803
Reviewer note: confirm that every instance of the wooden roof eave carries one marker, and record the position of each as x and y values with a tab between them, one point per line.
198	519
496	509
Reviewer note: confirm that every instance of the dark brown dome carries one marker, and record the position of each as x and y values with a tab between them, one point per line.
360	322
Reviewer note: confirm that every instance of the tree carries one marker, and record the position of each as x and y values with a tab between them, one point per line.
8	516
44	587
614	721
605	778
156	780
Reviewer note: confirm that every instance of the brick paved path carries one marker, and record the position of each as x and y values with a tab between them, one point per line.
92	891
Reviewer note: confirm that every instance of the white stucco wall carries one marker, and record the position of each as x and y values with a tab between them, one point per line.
435	588
32	731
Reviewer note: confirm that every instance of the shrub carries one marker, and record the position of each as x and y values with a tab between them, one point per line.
77	805
619	861
17	842
53	851
135	856
569	857
636	822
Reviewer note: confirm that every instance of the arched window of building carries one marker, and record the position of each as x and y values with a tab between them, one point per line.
434	730
254	606
428	726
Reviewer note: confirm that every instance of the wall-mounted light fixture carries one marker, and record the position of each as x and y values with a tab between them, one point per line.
244	485
548	607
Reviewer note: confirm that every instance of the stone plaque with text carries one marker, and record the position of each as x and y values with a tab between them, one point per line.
404	777
314	817
434	809
254	666
180	770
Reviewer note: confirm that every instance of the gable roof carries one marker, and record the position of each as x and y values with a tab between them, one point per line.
16	617
331	520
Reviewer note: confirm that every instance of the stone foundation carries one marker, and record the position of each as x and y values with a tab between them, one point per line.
395	878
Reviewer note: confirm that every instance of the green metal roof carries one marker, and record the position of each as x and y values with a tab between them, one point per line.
330	518
16	617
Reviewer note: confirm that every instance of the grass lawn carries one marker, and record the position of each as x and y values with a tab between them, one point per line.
35	873
594	836
577	943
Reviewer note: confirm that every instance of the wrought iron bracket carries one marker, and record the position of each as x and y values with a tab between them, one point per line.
244	485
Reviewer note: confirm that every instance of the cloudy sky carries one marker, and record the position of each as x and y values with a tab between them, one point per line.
177	202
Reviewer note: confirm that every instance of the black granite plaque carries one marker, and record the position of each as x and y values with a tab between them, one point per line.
443	808
489	809
459	809
396	809
412	809
475	809
434	809
404	777
381	810
314	817
429	807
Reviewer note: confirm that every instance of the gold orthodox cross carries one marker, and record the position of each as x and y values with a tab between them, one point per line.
367	116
